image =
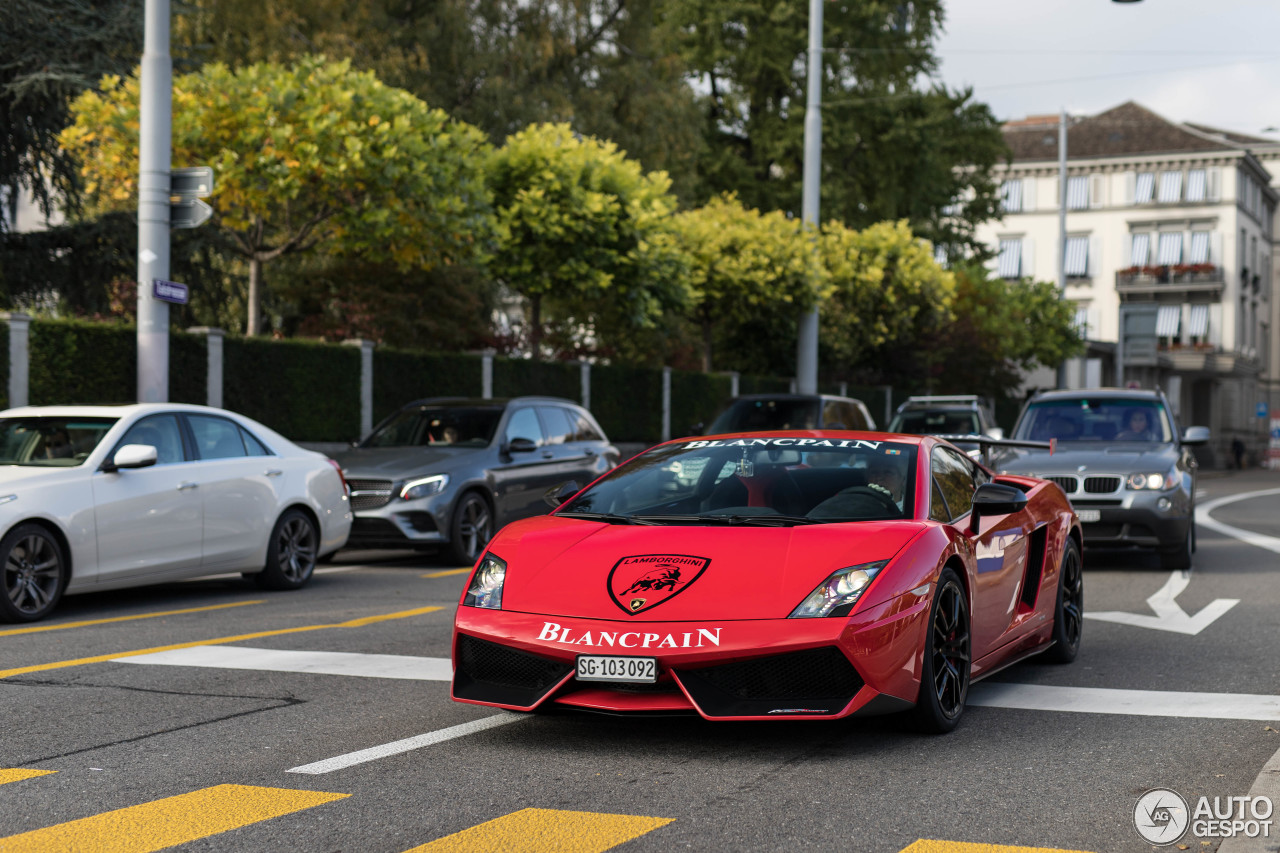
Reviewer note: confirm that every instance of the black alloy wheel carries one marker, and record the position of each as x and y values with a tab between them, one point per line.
1068	613
471	530
944	677
291	552
35	573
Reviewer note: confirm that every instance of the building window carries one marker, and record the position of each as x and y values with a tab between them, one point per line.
1076	259
1196	185
1140	254
1199	248
1010	264
1081	322
1144	191
1168	318
1077	193
1169	250
1198	324
1170	186
1011	196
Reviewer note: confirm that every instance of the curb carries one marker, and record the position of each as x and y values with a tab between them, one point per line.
1266	785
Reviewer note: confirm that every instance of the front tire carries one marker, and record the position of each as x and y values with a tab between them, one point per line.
1178	559
944	675
291	552
1068	612
470	530
34	572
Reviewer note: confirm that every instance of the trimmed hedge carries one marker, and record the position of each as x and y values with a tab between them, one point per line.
763	385
77	362
402	376
696	398
627	401
305	391
513	377
189	368
4	365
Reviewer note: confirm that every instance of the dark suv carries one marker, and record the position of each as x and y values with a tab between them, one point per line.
958	414
1122	460
451	472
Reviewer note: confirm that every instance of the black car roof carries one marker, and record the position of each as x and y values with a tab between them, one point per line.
493	402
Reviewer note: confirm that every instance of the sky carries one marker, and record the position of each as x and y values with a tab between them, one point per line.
1214	62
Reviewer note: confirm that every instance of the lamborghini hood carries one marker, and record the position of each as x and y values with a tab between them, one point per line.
588	569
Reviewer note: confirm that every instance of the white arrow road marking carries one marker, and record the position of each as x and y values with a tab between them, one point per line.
410	743
1270	543
1169	616
284	660
1145	703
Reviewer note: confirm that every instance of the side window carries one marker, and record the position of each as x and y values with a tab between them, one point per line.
162	433
584	430
524	424
559	427
252	445
937	503
953	474
216	438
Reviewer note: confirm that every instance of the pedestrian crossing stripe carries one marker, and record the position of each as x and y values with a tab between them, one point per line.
932	846
7	776
539	830
168	822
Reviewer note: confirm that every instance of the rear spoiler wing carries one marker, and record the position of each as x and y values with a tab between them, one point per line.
985	444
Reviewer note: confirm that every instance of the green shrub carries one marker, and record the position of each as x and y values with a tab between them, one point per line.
77	362
696	398
402	376
4	365
514	377
763	385
627	401
188	368
304	390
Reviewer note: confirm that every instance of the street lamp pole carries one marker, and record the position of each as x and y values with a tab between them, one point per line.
154	154
807	338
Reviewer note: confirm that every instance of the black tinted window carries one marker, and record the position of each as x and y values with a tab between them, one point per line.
524	424
560	428
954	475
584	430
468	426
216	438
161	432
53	441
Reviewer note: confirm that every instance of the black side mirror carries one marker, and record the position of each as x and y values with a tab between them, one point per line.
996	499
521	445
557	495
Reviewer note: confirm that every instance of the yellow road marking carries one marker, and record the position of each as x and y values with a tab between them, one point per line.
446	573
18	775
37	628
931	846
538	830
165	823
354	623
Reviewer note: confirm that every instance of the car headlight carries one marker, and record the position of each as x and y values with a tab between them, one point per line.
485	589
426	487
836	595
1159	482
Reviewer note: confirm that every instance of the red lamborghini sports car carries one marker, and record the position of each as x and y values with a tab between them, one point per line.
800	574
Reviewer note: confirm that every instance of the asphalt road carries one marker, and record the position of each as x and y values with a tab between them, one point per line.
105	748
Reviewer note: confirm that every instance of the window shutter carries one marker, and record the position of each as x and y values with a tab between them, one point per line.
1029	258
1130	184
1214	177
1095	251
1029	193
1215	248
1097	190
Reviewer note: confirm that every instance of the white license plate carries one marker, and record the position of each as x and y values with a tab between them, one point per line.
617	668
1087	516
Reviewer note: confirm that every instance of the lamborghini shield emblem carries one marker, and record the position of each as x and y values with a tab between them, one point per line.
659	577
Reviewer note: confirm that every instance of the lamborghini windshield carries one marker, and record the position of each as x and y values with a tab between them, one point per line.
757	481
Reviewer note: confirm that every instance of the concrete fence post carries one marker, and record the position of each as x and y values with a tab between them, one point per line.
733	383
486	374
366	383
213	371
666	404
19	358
584	368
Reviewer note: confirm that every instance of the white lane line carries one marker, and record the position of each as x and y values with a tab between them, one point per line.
417	742
284	660
1144	703
1260	540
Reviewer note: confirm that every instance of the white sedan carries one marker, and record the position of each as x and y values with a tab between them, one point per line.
103	497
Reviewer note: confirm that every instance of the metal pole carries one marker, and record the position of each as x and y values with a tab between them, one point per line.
807	339
154	154
1062	225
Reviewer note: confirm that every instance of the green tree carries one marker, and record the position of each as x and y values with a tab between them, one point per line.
50	51
583	231
305	156
747	268
999	330
889	151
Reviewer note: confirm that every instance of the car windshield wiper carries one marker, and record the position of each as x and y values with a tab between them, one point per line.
757	520
611	517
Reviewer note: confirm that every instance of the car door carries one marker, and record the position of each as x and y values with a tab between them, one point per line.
999	548
577	459
522	477
149	520
239	491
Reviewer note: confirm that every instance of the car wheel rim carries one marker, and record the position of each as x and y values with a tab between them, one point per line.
297	549
1072	596
32	571
474	527
950	651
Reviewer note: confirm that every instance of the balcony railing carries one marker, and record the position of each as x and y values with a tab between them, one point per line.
1168	274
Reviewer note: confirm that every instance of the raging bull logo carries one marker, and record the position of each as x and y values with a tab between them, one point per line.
659	576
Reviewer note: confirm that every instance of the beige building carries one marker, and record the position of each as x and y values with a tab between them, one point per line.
1170	226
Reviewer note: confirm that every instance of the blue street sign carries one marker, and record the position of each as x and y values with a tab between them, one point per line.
1262	410
169	291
